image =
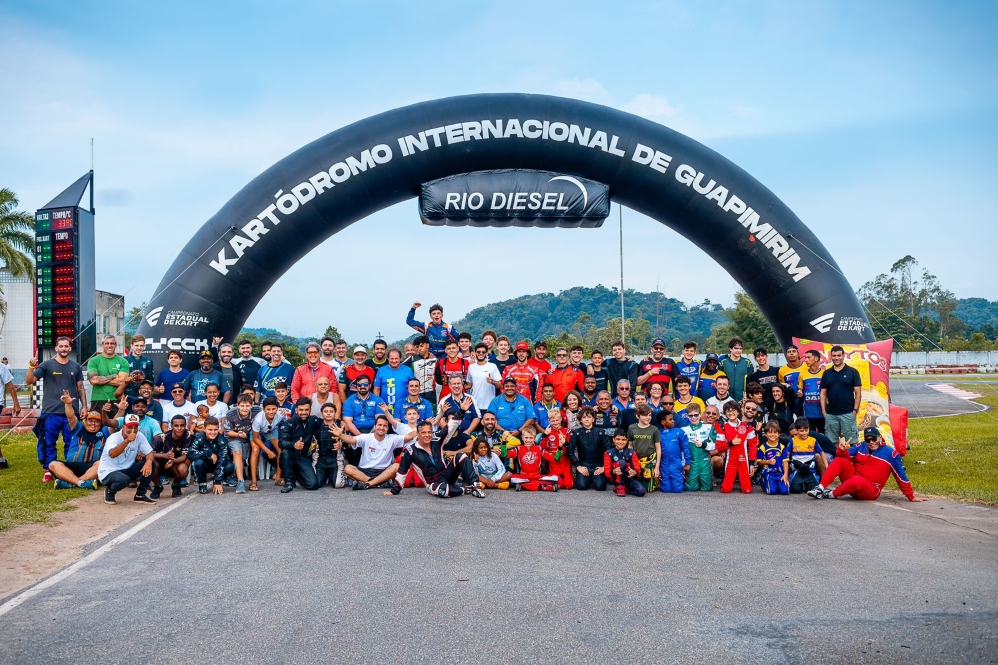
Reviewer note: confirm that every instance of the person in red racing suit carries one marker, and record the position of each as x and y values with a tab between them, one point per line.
863	470
529	457
737	438
554	449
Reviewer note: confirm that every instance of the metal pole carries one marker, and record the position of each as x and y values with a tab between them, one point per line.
620	211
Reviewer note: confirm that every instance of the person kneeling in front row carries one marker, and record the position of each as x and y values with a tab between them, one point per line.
210	453
127	456
297	438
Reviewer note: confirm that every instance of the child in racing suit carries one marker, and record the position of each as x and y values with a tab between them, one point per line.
701	437
529	457
554	451
622	467
675	453
772	457
737	438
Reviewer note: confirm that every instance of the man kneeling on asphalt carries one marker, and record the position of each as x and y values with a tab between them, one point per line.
297	438
210	452
440	473
863	470
126	457
82	451
170	452
377	454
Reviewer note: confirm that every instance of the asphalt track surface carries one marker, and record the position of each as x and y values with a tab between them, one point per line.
339	575
925	402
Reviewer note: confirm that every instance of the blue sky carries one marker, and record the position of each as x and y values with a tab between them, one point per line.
874	122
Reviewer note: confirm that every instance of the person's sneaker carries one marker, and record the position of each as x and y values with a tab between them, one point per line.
156	491
517	482
4	464
620	490
46	477
554	487
230	481
341	479
176	490
817	493
184	483
202	488
359	485
288	487
109	496
63	485
240	487
441	491
88	485
828	494
478	492
142	498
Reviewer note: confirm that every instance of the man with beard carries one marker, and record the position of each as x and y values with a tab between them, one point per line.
606	418
525	375
440	472
297	438
659	368
197	381
423	367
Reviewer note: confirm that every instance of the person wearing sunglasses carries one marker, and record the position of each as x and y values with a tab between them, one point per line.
305	377
178	405
863	470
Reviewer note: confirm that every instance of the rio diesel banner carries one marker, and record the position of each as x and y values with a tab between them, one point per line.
873	362
513	197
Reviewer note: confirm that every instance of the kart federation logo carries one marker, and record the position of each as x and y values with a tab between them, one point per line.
152	318
824	323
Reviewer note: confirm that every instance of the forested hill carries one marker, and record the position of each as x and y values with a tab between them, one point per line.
546	315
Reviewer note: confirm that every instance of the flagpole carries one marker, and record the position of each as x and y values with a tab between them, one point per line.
620	211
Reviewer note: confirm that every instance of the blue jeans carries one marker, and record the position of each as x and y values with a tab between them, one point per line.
841	425
54	424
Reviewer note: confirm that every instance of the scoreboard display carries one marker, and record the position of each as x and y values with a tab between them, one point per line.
57	274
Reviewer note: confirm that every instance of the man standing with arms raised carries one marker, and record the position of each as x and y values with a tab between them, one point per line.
59	374
436	331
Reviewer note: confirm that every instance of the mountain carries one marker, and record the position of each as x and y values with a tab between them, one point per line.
978	312
546	315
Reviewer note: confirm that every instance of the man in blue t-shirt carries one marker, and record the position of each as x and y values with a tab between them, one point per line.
361	410
391	381
197	381
274	372
512	410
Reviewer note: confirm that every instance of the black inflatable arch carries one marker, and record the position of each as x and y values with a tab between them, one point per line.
226	268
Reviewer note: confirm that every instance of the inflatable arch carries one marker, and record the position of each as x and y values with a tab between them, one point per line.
226	268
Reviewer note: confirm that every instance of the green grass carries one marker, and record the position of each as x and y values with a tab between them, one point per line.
23	497
958	451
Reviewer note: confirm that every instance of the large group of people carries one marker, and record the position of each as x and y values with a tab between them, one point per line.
458	417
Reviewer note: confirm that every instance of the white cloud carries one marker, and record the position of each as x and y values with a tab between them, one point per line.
586	89
653	107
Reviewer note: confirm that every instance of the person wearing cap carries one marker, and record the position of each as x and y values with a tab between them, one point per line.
178	404
82	452
153	408
276	370
659	368
863	469
354	372
711	372
512	410
436	331
126	458
526	376
149	427
197	381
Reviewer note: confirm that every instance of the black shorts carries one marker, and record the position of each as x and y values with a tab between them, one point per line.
79	468
371	473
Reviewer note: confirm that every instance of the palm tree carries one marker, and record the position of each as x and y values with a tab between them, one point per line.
17	240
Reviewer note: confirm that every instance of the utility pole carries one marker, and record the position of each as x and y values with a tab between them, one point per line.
620	211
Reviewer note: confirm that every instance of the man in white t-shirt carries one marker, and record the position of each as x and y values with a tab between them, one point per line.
178	406
126	457
484	378
377	454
